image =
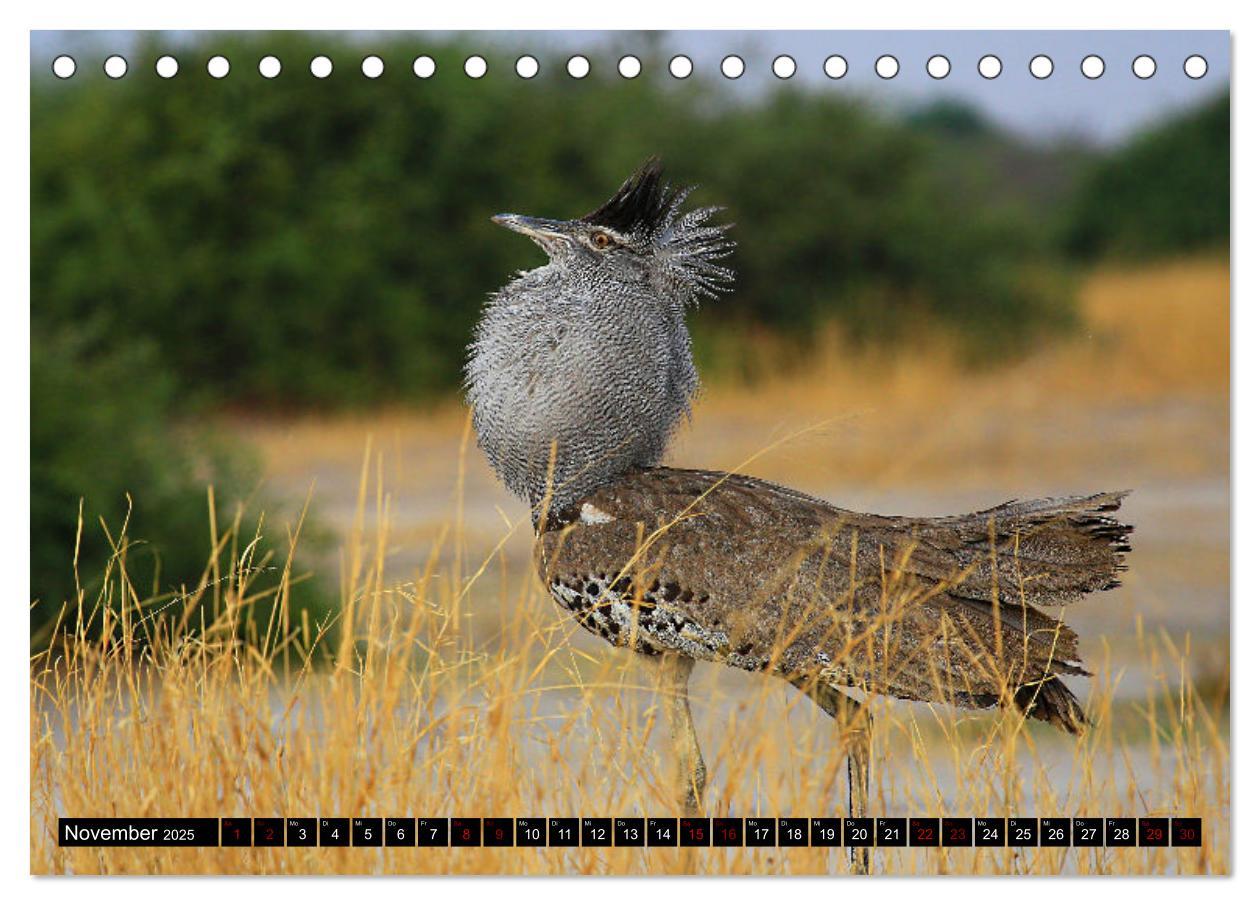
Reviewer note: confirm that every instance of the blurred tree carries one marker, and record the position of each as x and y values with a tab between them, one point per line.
954	118
304	241
1165	192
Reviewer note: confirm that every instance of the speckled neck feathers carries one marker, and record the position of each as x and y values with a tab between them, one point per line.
582	368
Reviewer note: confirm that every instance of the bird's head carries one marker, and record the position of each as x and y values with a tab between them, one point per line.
639	234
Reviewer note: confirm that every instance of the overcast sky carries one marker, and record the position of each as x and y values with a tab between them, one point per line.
1104	110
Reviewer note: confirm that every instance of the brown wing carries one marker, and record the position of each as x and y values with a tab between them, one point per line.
763	577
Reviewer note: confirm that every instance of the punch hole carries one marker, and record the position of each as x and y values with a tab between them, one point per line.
1144	66
423	67
218	67
680	66
835	66
1195	66
475	67
784	67
321	67
629	67
990	66
579	67
1041	66
732	66
938	66
1093	66
64	66
373	67
166	67
269	67
526	67
887	67
115	66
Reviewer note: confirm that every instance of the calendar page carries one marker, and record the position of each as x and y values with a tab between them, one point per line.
630	453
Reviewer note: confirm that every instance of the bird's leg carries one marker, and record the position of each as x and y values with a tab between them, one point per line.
691	770
854	723
855	732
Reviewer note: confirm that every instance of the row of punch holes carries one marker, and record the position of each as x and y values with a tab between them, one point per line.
732	66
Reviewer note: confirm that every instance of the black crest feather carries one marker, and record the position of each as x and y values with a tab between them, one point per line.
685	246
642	203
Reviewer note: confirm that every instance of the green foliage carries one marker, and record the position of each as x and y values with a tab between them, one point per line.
1167	191
106	432
328	241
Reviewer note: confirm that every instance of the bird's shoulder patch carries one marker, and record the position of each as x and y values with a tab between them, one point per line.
590	514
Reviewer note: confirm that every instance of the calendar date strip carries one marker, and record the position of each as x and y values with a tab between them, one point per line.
620	832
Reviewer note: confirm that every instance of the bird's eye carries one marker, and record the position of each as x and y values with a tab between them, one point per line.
601	240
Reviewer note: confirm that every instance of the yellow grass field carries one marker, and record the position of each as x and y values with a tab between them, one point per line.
458	688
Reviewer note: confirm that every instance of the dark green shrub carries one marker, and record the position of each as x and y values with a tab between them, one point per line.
107	434
1165	192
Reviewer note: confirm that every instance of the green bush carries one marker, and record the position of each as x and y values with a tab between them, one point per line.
108	436
328	241
1165	192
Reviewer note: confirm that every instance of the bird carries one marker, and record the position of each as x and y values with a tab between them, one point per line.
579	374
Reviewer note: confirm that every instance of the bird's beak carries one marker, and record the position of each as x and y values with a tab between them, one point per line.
543	231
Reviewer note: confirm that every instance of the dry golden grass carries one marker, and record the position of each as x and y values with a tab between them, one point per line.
1146	330
459	689
1150	337
413	719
